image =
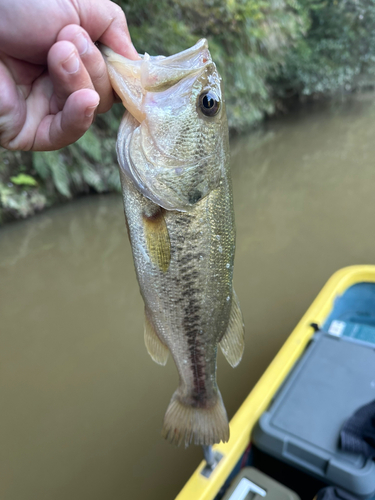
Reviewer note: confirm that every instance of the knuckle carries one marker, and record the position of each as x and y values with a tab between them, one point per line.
118	15
99	73
117	10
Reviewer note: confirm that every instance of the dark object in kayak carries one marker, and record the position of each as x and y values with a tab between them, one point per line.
358	433
331	493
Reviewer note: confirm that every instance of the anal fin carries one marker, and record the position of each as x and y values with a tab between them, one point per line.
233	342
155	347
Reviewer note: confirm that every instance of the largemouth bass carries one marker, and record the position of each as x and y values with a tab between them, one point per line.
173	154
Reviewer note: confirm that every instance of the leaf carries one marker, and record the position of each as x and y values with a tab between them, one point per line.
61	178
40	164
24	180
92	178
90	144
114	180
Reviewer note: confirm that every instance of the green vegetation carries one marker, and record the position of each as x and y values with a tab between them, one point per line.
30	182
336	55
248	40
267	51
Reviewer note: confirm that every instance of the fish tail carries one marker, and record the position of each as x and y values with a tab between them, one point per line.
203	426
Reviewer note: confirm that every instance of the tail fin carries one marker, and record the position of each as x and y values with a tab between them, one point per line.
204	426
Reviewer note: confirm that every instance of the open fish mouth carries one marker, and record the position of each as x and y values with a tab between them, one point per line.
177	102
132	79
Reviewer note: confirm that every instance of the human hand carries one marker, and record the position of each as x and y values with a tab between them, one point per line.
52	76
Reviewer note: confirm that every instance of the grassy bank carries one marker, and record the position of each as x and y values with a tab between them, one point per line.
269	53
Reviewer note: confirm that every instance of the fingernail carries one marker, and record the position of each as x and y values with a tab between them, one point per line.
90	110
82	44
71	64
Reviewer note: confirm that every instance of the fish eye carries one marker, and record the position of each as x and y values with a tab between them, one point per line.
209	103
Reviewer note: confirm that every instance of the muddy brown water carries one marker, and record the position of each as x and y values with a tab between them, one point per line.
81	402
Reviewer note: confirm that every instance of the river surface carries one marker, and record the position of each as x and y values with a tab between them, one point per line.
81	401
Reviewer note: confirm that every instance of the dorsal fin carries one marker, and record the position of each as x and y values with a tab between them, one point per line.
155	347
233	342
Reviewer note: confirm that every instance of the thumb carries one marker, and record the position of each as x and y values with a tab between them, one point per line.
105	21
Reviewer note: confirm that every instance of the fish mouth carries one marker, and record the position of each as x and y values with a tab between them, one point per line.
131	79
173	180
124	75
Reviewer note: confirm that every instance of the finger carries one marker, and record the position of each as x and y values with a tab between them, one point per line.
67	73
35	108
42	131
105	21
93	62
68	125
12	107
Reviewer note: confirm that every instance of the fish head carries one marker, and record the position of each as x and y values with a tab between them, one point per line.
175	147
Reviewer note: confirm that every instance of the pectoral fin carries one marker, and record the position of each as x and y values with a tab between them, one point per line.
232	344
157	239
155	347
